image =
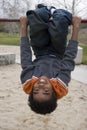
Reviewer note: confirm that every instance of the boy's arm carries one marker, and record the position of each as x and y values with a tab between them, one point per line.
68	64
25	50
75	23
25	53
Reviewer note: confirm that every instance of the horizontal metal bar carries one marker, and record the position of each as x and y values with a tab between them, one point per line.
9	20
84	21
17	20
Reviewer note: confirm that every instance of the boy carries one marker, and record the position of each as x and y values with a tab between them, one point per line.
46	78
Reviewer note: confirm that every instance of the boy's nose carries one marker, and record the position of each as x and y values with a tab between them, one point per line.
42	81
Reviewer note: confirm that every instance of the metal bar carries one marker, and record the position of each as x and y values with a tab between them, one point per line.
84	21
9	20
17	20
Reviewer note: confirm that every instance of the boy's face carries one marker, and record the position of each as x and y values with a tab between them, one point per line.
42	89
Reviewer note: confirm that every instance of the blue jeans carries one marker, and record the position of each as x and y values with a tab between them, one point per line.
49	36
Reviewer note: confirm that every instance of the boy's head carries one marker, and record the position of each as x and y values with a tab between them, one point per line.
43	99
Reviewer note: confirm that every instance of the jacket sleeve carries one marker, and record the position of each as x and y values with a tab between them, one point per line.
25	53
68	63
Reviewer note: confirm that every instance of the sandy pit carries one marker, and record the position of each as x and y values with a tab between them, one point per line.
71	113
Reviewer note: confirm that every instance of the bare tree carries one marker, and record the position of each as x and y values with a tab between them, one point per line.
78	8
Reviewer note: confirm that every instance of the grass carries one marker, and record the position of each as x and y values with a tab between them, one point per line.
84	58
8	39
83	36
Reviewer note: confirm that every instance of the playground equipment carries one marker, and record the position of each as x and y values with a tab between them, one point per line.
17	20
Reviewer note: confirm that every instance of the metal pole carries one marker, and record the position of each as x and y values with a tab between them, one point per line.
84	21
9	20
17	20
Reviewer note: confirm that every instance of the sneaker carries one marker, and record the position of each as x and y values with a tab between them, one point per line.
41	6
52	9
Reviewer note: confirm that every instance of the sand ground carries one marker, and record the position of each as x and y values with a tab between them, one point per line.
71	113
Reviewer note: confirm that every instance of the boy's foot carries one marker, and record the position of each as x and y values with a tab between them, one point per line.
52	9
41	6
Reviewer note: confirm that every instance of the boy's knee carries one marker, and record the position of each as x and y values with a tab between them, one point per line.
63	16
42	13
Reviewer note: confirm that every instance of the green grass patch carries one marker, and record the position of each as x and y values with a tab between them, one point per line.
83	37
84	58
8	39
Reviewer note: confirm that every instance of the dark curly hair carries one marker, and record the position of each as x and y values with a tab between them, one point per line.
43	107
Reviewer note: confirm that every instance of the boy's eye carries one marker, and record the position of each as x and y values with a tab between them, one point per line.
35	91
46	90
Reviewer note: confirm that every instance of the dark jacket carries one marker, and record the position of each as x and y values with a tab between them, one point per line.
47	65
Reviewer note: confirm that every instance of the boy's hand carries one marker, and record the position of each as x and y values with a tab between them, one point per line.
76	21
24	25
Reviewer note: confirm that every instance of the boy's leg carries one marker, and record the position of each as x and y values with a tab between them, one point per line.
58	29
38	22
